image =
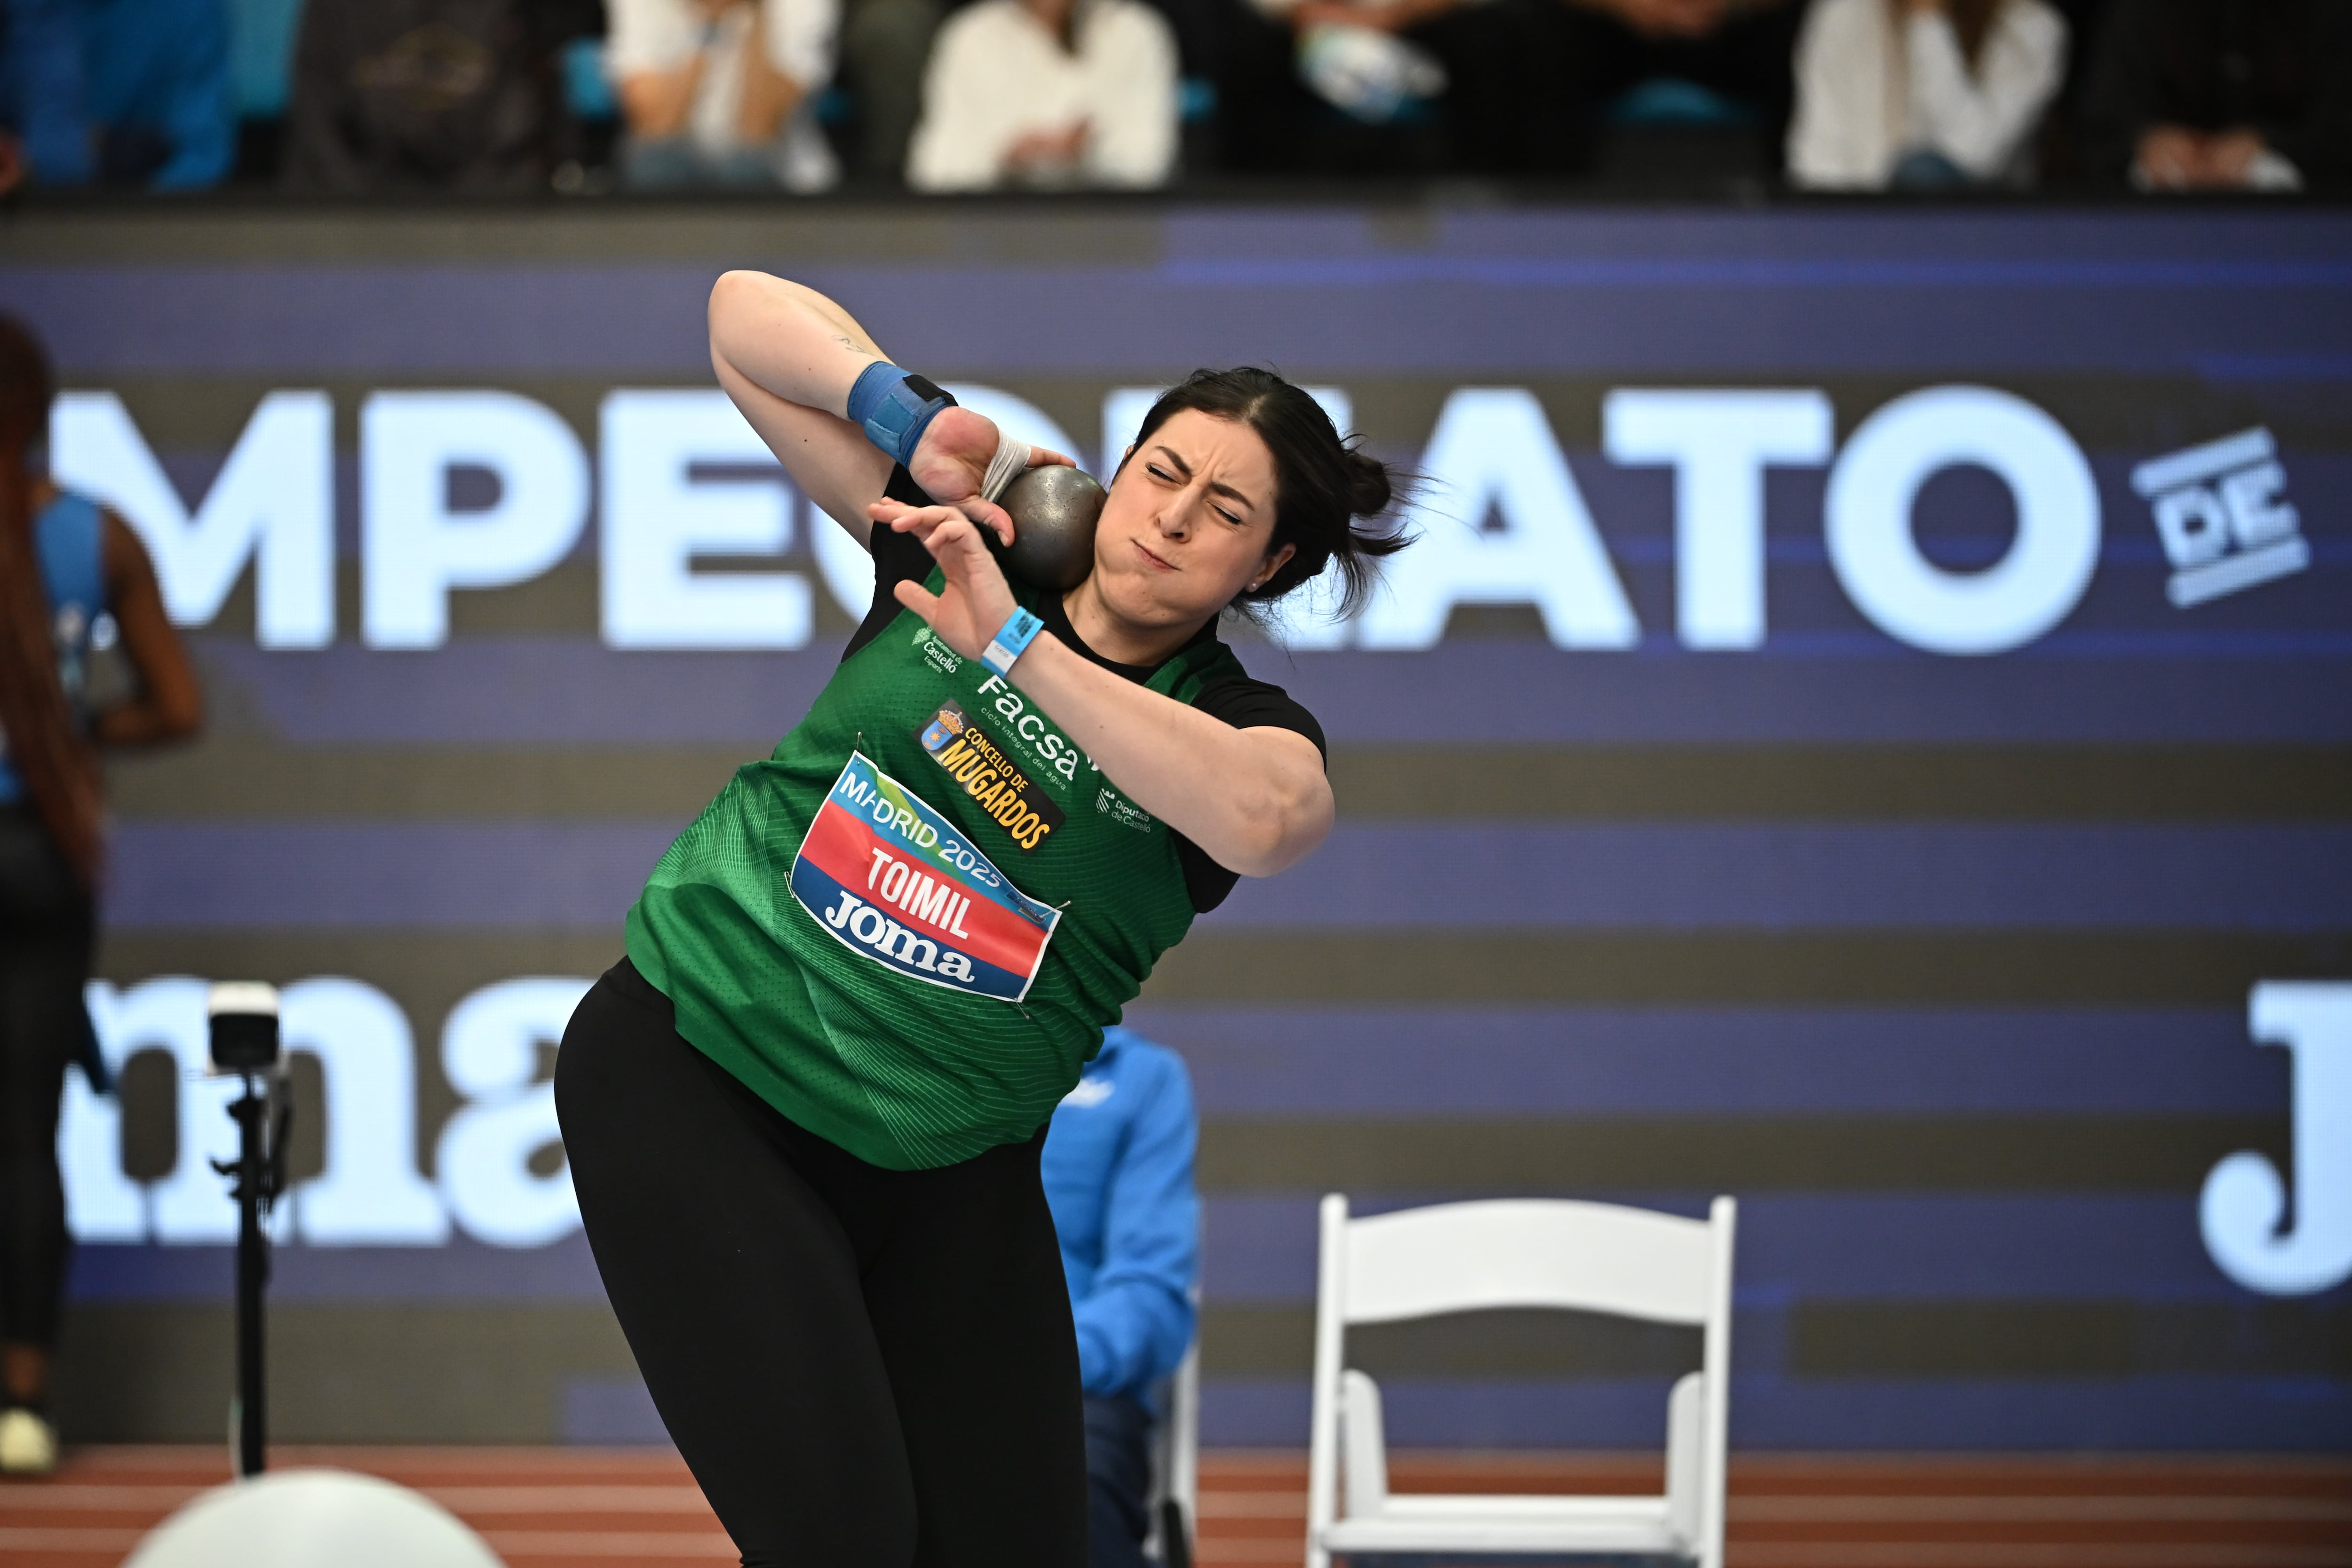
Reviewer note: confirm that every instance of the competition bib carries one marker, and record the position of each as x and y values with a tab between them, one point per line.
892	880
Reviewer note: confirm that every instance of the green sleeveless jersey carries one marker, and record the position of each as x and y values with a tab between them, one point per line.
907	929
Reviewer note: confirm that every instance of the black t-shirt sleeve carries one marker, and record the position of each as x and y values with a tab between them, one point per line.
897	558
1244	704
1247	704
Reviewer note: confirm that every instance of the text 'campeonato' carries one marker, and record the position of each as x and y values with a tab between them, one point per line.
1500	515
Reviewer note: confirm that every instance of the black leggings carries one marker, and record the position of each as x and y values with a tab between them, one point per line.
46	924
861	1366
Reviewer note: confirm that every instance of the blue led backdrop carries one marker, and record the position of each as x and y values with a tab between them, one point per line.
1867	727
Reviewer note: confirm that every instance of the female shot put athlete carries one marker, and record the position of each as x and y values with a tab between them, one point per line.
804	1114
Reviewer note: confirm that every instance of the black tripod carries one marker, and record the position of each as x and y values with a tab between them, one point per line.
245	1041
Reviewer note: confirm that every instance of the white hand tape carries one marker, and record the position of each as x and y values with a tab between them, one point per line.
1012	460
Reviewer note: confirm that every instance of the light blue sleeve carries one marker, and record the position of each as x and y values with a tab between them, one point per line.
1135	1325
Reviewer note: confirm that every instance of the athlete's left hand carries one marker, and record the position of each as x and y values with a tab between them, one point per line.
952	458
976	600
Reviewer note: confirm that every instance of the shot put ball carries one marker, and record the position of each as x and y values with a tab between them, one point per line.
1053	511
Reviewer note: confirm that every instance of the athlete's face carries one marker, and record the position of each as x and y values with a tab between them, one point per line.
1188	523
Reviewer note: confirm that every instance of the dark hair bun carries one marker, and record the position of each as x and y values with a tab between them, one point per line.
1372	490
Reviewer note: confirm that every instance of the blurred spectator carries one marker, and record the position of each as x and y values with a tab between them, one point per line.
261	78
127	92
1738	51
1525	84
1922	94
41	117
884	45
1474	63
424	94
1048	94
2250	95
1118	1172
717	92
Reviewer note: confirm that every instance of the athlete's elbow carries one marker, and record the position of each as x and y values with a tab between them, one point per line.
732	298
1284	832
1273	854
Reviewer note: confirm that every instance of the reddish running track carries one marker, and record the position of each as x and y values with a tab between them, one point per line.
639	1508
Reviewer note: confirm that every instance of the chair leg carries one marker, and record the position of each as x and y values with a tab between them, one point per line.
1175	1536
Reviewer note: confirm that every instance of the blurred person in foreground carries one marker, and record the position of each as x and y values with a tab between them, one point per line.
1923	94
425	95
721	92
2221	95
67	569
115	92
1118	1171
1048	95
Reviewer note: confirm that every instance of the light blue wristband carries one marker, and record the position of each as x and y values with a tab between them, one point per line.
1010	641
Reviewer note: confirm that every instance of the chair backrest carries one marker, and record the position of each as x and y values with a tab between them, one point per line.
1541	1253
1516	1252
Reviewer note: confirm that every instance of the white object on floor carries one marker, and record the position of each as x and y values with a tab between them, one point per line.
29	1445
312	1518
1544	1253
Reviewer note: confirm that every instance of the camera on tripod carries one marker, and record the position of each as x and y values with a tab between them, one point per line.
243	1028
242	1015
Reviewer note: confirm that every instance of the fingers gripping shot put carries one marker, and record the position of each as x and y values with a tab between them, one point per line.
804	1114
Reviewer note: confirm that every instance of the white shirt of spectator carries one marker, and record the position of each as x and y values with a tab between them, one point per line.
1874	83
997	74
663	35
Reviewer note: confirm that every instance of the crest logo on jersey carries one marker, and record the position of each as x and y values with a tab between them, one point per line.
977	762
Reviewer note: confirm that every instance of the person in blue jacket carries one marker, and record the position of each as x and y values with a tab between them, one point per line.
1119	1177
119	92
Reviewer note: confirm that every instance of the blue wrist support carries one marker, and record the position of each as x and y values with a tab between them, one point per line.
1010	641
894	408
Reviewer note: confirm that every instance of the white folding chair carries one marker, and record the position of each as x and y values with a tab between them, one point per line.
1453	1257
1175	1502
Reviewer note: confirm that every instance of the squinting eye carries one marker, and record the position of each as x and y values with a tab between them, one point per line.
1157	472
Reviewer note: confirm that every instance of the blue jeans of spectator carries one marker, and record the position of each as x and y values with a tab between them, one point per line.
1119	1480
675	162
1923	169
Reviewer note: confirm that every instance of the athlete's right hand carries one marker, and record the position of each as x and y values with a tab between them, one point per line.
951	461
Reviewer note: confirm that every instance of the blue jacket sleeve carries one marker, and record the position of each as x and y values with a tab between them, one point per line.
44	66
1134	1326
196	114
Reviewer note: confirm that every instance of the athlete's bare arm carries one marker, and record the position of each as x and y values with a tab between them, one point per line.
1256	801
788	356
